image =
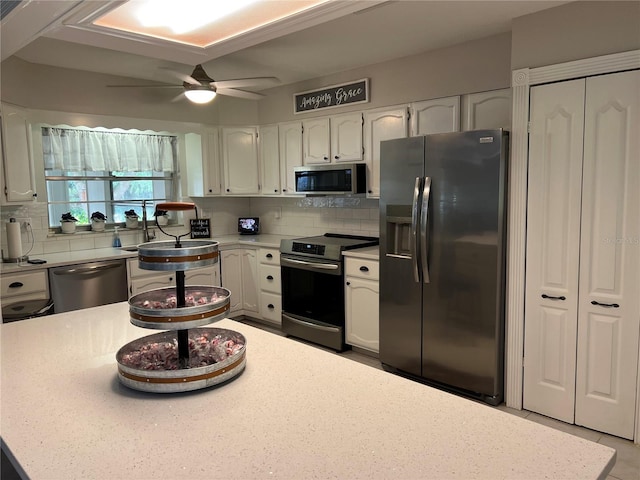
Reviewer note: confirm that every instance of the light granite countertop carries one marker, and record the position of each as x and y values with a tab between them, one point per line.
296	412
99	254
368	253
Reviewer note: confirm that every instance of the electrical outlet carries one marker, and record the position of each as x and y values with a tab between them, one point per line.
23	221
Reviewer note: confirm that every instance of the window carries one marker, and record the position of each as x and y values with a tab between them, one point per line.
78	182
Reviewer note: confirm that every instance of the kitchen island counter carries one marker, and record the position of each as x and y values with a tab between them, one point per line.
296	412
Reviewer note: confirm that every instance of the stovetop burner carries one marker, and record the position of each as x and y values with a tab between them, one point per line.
329	245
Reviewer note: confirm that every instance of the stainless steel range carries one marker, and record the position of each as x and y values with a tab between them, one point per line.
313	286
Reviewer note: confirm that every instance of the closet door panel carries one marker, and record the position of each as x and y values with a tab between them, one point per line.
608	330
553	236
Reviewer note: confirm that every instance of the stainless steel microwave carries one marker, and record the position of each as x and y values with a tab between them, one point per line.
331	179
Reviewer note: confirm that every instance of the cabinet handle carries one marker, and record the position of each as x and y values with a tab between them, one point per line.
171	279
544	295
325	158
369	191
210	190
268	255
348	283
269	277
284	189
276	190
336	157
16	285
228	190
608	305
364	269
270	306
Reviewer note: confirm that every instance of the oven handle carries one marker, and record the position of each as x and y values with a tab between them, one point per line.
319	266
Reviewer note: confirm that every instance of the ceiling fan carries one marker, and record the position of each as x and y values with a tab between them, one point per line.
200	88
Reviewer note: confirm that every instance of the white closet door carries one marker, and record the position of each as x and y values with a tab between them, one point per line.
553	237
609	302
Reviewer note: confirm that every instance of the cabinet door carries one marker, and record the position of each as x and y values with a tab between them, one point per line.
240	160
346	137
144	284
231	269
379	125
290	154
211	162
315	141
609	301
362	313
250	289
487	110
203	276
553	237
269	144
441	115
18	174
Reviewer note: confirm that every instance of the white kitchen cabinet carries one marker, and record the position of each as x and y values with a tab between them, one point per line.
269	147
240	276
203	163
18	180
290	136
440	115
316	141
582	308
270	285
141	280
24	286
361	303
346	137
240	160
487	110
381	124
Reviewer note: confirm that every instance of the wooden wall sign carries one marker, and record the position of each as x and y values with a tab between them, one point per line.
200	228
332	96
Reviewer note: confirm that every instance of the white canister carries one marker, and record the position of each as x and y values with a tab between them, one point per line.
131	222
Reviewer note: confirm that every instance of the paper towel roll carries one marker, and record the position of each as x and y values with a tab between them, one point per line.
14	240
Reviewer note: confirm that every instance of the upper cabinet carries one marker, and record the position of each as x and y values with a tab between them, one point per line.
203	163
290	143
18	180
441	115
487	110
381	124
269	147
240	160
332	139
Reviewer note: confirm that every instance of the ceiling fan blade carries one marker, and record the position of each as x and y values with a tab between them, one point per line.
181	76
246	82
232	92
145	86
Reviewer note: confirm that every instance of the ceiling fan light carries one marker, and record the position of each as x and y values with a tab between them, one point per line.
200	96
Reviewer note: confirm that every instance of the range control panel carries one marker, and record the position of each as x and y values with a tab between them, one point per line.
308	248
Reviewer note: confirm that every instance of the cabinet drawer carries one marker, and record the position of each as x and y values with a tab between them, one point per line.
269	256
271	307
25	283
359	267
270	278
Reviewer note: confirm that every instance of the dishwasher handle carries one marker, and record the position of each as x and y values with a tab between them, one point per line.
85	270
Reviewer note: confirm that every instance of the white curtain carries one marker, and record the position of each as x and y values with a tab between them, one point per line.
93	151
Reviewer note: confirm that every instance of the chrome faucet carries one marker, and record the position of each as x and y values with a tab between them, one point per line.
147	235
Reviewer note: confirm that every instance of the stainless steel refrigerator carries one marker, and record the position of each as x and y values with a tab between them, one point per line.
442	260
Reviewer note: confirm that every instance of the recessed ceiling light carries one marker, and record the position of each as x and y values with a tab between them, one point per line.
199	23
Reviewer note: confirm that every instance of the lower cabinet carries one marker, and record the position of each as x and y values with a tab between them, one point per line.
270	285
144	280
25	286
240	276
361	303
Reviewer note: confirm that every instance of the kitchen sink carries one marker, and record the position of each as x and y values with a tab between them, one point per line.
133	248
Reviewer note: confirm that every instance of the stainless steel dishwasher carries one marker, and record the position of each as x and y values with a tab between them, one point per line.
88	285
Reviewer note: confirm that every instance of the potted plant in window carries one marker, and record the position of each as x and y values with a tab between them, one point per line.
68	223
131	219
98	221
162	217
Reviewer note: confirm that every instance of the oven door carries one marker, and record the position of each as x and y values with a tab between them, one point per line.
313	300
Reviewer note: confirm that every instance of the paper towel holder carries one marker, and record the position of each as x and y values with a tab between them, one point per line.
18	258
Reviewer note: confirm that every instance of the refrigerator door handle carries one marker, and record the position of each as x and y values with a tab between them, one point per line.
413	236
424	229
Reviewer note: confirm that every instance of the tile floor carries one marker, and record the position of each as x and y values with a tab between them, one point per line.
627	465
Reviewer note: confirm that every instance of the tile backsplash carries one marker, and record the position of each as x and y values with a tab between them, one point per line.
303	216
